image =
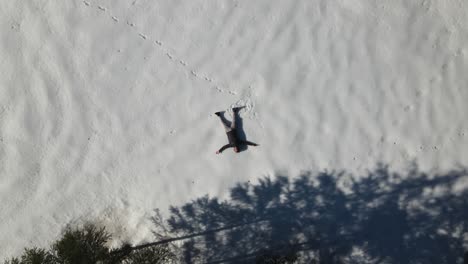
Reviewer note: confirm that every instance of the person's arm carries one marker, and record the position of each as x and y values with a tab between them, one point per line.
248	143
223	148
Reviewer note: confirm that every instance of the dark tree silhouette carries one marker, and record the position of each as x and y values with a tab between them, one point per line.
82	245
381	217
89	245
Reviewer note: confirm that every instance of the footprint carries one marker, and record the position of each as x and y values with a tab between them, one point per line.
15	26
168	54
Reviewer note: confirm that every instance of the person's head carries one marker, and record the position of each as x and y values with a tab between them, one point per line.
236	149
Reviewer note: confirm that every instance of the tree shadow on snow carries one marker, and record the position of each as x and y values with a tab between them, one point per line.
384	217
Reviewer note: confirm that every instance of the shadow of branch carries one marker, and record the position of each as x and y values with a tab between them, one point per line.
382	217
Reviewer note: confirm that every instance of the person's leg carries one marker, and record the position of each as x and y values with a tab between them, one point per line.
226	124
224	121
234	117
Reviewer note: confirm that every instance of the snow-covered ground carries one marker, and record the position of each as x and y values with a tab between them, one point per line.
106	106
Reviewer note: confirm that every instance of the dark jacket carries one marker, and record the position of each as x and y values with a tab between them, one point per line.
234	141
232	137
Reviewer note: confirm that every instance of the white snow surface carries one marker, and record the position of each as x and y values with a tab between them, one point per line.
106	106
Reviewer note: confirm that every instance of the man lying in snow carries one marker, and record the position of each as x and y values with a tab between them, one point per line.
234	141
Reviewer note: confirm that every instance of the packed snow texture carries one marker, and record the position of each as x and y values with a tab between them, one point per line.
106	106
